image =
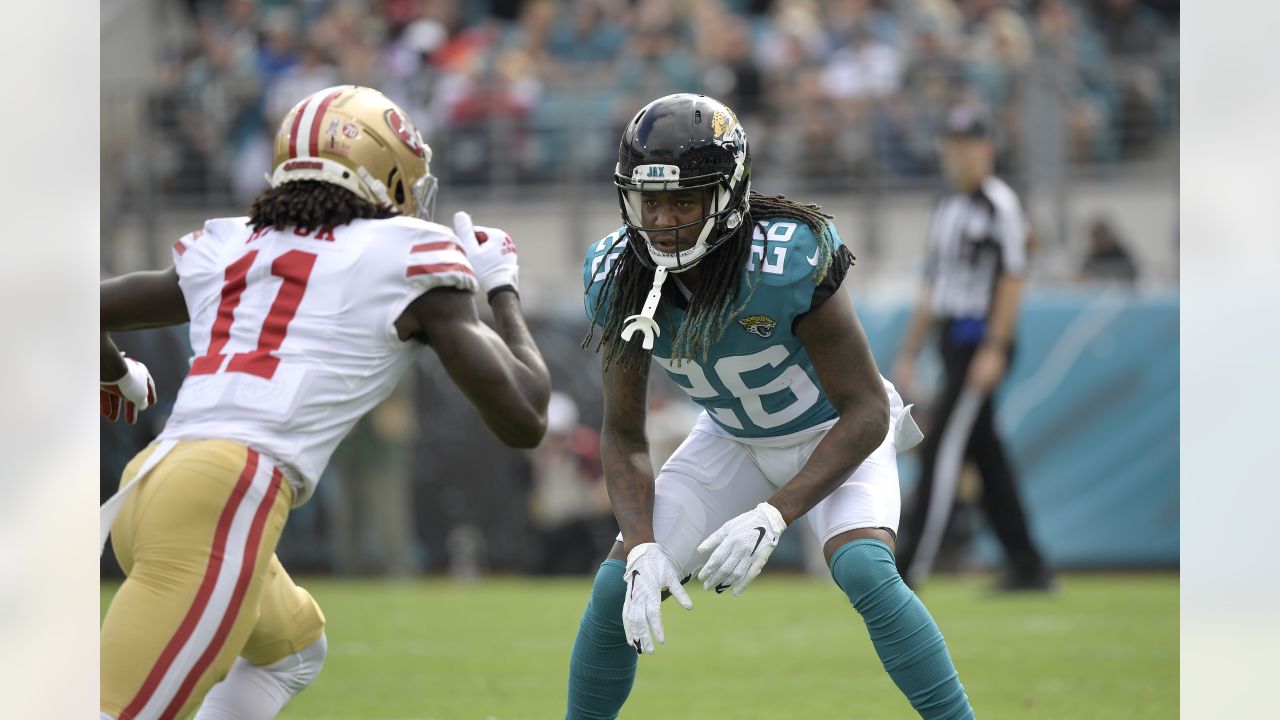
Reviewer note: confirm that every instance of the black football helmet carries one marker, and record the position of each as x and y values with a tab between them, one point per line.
687	142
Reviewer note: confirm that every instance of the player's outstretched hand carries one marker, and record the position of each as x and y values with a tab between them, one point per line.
740	548
492	253
649	572
129	395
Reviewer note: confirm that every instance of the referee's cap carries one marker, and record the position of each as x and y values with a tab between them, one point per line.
967	120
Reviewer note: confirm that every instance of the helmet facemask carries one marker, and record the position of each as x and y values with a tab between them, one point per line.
723	212
424	190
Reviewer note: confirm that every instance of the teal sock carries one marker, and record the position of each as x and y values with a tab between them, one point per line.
603	665
904	634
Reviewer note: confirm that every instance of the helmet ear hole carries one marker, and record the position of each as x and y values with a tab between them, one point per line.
399	193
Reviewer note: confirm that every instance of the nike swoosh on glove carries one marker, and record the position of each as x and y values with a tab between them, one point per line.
491	251
649	572
129	395
740	548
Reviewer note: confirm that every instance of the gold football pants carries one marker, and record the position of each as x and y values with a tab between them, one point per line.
197	541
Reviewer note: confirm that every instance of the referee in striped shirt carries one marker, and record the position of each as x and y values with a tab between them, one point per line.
977	259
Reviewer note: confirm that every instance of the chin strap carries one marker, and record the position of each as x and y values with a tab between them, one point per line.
644	322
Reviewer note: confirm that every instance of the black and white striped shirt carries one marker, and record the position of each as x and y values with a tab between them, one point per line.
973	238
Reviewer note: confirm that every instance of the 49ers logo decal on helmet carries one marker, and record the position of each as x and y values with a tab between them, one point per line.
403	130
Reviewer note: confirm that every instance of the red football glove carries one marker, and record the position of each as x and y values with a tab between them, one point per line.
131	394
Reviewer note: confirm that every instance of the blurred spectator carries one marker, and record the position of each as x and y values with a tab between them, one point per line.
656	60
527	91
568	503
1085	78
723	43
370	514
1108	260
791	37
906	126
1137	39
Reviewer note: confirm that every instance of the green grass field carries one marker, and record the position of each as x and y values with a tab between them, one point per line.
1103	647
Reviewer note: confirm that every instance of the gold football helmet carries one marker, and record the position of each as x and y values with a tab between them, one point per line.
355	137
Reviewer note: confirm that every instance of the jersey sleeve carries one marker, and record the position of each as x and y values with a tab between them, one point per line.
198	258
599	261
416	258
841	260
931	247
200	252
1009	229
435	259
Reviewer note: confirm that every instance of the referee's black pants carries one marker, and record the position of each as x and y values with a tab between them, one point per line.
1000	500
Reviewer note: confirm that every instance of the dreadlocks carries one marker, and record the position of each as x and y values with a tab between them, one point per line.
312	204
711	308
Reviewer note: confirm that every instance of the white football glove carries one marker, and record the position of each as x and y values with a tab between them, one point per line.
492	253
742	547
130	394
649	572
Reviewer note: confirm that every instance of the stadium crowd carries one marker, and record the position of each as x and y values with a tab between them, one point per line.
526	91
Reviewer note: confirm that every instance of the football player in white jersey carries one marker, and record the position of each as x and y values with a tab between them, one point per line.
303	315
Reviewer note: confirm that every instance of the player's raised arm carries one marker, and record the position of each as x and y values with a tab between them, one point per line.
502	373
847	372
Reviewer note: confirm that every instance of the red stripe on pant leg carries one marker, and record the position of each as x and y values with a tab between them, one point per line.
318	119
201	600
237	598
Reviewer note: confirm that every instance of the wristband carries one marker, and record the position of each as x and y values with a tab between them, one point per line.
503	288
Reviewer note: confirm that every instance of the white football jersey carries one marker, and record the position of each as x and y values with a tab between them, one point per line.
293	331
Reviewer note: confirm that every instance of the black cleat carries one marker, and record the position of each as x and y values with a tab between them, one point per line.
1012	582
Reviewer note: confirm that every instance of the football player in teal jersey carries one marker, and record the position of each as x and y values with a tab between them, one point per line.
738	297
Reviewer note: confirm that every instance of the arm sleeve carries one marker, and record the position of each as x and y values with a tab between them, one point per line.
421	261
1010	233
197	253
598	262
198	260
842	259
437	260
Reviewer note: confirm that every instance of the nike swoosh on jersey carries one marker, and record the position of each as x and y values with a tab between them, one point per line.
814	260
757	547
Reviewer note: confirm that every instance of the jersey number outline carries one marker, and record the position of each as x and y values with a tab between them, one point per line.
730	370
778	232
294	268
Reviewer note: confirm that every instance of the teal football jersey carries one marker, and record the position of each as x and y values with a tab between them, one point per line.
757	380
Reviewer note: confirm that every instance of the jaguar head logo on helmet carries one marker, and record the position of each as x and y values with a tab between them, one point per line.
384	159
683	142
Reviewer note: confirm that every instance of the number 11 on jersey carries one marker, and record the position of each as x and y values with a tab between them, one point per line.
294	268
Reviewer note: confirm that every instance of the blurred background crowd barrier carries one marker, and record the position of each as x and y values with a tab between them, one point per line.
523	103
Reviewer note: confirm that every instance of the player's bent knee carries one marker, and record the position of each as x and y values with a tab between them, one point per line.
862	567
303	667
